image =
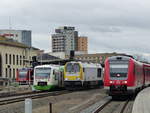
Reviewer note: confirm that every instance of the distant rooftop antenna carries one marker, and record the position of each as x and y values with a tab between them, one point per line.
9	27
10	23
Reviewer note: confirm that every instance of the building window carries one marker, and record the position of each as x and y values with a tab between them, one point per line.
6	72
10	73
16	71
13	59
6	58
10	59
14	74
30	60
20	60
23	60
17	59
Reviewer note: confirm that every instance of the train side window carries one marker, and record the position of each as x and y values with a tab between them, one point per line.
6	58
83	69
55	74
99	72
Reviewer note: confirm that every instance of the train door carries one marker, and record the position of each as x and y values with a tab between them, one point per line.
31	75
55	74
90	74
61	79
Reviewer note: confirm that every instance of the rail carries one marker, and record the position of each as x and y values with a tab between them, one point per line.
99	108
14	99
124	106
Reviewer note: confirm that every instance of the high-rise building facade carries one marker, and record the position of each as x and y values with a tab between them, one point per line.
64	39
82	44
22	36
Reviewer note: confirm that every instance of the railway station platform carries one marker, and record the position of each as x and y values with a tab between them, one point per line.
142	102
12	89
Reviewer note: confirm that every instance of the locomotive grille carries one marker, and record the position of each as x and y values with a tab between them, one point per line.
118	88
42	83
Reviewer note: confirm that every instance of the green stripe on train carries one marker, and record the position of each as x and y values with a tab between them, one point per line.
48	87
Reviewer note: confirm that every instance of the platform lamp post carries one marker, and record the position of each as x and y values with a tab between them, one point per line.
29	69
41	58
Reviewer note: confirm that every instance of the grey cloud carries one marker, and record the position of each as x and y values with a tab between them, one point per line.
111	25
105	29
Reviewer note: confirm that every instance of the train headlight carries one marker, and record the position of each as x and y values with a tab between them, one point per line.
77	78
66	78
111	82
125	82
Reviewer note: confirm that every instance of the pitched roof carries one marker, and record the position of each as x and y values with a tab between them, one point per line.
46	56
11	42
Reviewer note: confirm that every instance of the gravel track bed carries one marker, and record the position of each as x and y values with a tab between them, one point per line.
111	107
11	91
116	107
129	107
66	103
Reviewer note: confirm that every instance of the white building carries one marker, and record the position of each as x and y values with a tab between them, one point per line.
64	40
13	56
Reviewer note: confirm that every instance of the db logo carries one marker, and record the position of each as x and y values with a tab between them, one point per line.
118	82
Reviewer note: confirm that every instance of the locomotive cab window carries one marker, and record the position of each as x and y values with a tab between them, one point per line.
69	67
99	72
76	67
22	73
42	72
73	67
118	70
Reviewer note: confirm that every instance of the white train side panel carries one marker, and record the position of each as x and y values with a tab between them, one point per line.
82	74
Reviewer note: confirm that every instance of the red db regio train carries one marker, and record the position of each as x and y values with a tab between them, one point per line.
124	75
25	76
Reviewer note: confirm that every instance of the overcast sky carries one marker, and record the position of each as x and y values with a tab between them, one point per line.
111	25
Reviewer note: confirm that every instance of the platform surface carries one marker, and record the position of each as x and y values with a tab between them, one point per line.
142	102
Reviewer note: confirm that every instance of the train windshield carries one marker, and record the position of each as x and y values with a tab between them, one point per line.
42	72
73	67
118	70
23	73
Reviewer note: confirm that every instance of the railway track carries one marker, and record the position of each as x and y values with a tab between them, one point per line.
99	108
13	99
121	108
11	94
124	106
107	105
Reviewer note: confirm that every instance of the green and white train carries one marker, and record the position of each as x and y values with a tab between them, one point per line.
48	77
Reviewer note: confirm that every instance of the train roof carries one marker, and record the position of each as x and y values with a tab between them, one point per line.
84	64
146	64
123	58
48	65
25	68
119	58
